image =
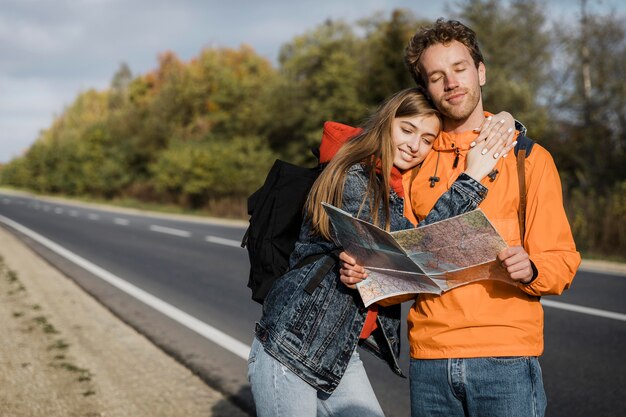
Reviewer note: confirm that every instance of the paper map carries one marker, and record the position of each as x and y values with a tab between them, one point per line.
433	258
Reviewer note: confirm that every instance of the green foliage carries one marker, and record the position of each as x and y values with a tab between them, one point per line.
321	81
194	173
385	40
118	93
599	220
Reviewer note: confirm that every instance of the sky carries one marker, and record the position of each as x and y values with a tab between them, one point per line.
52	50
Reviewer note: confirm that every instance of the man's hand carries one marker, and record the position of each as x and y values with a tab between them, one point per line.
351	273
517	263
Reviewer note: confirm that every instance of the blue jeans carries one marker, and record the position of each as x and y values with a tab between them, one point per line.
278	392
485	387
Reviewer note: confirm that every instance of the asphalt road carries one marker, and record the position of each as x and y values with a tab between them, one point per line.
193	274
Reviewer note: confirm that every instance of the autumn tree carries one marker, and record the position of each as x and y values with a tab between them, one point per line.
384	71
320	81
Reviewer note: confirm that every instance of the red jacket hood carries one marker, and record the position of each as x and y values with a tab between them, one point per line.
334	136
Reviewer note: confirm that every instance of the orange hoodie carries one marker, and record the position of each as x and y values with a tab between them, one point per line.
490	318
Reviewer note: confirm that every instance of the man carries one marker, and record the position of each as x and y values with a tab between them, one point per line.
474	348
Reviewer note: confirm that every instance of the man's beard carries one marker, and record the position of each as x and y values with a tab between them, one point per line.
463	111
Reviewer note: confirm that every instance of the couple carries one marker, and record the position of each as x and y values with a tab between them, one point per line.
473	349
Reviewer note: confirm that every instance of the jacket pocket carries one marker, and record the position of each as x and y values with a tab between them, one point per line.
508	229
310	305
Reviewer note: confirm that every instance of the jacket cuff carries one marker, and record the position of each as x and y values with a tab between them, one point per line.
535	274
471	188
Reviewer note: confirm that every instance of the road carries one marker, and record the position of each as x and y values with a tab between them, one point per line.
183	284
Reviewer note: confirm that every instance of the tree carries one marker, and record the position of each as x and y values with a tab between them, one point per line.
385	40
229	90
193	173
594	101
321	81
118	92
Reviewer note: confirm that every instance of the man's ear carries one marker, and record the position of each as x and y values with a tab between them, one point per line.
482	74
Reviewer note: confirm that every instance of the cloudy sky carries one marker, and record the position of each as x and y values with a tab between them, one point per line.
51	50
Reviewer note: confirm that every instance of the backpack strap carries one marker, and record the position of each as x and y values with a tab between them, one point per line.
332	257
522	150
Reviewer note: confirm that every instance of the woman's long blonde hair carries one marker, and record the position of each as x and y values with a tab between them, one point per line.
374	148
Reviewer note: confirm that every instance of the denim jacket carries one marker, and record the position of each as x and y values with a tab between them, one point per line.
314	335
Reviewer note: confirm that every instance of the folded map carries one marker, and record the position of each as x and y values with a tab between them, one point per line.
429	259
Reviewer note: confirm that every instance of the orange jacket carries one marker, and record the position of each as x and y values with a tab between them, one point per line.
491	318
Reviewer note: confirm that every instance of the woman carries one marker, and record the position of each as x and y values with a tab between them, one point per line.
303	361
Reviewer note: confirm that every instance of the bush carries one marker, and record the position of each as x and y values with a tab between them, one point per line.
599	221
194	174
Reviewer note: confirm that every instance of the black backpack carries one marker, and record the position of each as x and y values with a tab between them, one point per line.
276	214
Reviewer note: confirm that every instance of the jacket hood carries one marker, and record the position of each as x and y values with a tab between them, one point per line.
334	136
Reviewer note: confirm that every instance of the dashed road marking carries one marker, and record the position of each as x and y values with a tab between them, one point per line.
223	241
120	221
170	231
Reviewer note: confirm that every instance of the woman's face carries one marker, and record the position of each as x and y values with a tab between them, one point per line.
413	138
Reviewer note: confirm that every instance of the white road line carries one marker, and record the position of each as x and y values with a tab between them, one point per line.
120	221
73	213
211	333
6	201
222	241
170	231
92	216
600	267
585	310
58	210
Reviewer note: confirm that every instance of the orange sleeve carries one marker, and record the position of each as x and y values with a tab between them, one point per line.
548	238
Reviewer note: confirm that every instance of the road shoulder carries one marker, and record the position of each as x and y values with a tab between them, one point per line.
64	354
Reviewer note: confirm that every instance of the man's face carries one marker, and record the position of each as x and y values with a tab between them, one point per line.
452	79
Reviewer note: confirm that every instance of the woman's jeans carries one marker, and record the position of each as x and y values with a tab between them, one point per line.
485	387
278	392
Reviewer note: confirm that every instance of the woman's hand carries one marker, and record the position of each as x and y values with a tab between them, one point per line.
481	161
492	130
350	272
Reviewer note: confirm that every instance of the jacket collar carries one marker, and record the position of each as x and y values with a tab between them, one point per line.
450	141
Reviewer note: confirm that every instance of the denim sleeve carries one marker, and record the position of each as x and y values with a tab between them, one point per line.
464	195
354	188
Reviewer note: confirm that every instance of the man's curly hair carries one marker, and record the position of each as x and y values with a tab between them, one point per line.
442	32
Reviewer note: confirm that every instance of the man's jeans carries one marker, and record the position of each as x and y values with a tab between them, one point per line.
485	387
278	392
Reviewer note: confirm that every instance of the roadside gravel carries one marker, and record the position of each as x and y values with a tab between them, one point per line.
62	354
